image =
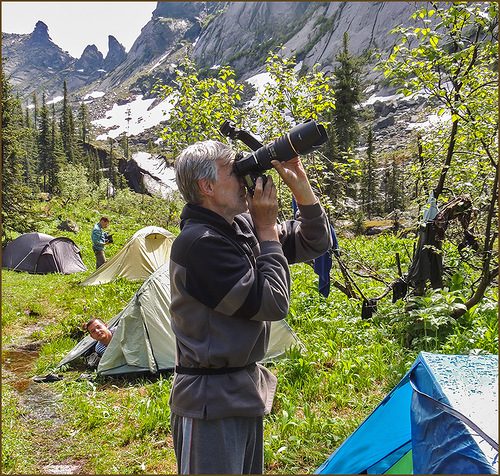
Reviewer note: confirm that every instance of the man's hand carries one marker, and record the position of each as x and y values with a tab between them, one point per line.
294	175
263	208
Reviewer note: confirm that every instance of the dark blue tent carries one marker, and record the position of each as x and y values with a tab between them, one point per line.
442	418
42	254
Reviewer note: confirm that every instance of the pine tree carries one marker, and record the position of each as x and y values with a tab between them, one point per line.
44	143
112	161
125	146
368	188
35	110
30	147
347	87
95	168
68	128
57	155
84	126
16	196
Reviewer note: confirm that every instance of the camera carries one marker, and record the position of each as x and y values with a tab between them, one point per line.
302	139
109	238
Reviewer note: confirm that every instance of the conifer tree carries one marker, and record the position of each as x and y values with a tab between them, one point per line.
125	147
68	128
112	161
347	87
57	156
44	143
16	196
84	125
30	147
35	110
368	188
95	169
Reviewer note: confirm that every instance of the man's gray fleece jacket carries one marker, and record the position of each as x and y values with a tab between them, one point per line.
225	288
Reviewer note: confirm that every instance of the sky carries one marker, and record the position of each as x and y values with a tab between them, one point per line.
74	25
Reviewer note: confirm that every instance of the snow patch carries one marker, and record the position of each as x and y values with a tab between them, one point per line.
55	100
369	89
159	62
374	98
134	117
259	81
432	121
94	95
157	168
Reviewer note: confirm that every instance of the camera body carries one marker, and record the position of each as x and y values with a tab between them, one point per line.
109	238
302	139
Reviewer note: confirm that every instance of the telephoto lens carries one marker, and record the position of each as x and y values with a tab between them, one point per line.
300	140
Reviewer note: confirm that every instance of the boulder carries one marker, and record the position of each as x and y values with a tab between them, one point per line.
376	230
382	108
68	225
383	123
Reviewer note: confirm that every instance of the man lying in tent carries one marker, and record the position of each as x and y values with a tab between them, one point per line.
100	332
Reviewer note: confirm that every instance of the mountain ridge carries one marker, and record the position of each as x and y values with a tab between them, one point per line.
236	33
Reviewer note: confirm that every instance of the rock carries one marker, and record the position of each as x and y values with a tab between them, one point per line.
376	230
383	123
382	109
313	31
40	34
183	10
116	54
44	197
91	59
68	225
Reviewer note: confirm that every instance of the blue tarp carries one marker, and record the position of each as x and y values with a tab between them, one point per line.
444	410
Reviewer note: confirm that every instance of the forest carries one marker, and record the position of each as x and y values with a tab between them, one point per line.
416	267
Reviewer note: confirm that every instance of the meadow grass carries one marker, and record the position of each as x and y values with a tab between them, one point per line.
342	371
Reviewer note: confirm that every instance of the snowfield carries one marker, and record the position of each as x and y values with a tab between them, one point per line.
133	118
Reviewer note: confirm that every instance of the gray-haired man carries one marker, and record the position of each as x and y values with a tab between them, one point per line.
229	279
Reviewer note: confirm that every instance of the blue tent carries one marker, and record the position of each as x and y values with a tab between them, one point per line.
442	418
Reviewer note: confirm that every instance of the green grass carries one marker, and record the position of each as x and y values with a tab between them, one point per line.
17	444
346	367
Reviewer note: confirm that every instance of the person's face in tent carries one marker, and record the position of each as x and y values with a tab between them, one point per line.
99	331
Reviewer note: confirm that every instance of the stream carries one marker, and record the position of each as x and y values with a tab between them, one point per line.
38	402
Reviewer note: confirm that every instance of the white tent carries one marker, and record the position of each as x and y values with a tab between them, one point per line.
143	340
147	250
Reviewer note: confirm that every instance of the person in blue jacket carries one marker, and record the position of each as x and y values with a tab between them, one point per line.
99	240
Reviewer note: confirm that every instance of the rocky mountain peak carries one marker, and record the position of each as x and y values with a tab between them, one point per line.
40	34
116	54
91	59
184	10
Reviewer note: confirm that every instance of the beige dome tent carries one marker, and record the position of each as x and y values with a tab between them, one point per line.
143	341
147	250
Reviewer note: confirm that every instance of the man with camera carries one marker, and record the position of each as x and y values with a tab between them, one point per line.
230	278
99	239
